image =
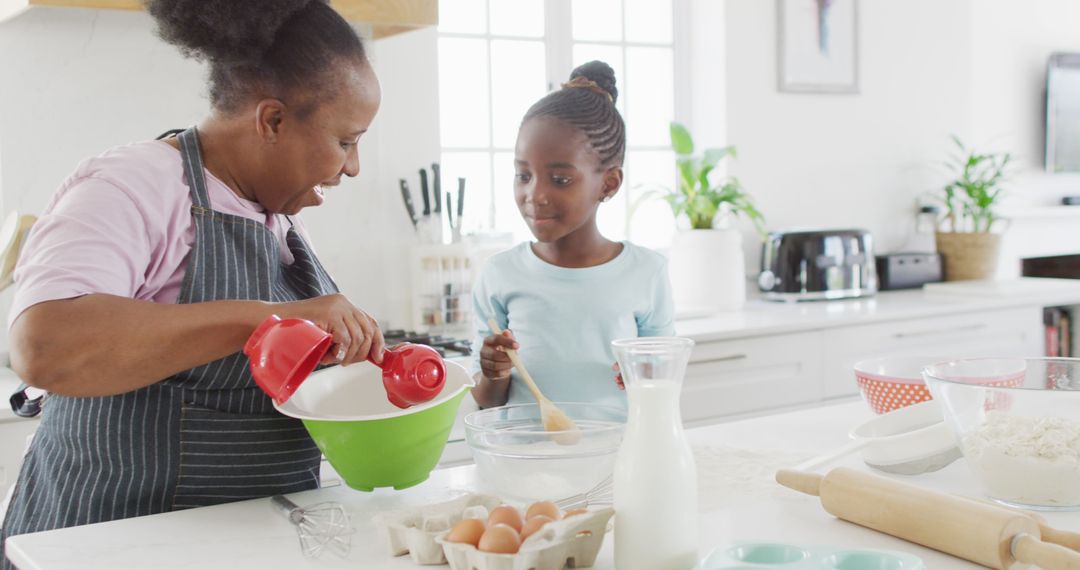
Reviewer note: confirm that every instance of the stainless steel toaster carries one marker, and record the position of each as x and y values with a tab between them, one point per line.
804	265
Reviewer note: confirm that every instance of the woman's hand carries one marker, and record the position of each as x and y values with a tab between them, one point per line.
618	376
356	334
494	363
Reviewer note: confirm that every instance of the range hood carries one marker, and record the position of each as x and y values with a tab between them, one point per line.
386	17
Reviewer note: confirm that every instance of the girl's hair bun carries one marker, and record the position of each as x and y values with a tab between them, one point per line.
600	73
230	32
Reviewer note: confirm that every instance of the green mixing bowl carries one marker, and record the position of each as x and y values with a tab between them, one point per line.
370	442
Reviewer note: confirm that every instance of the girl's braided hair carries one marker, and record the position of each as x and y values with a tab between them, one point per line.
587	102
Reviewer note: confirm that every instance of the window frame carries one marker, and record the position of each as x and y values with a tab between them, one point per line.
558	43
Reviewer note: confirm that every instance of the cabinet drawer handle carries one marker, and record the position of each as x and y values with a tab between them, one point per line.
965	328
728	358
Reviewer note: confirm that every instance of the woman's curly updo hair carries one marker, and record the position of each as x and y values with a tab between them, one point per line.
587	102
279	48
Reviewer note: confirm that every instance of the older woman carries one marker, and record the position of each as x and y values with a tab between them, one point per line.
156	260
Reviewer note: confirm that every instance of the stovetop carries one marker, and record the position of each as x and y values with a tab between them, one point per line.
447	346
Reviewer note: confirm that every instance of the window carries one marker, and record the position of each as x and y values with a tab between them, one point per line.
497	57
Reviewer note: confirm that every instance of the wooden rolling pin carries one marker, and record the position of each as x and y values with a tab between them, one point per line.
983	533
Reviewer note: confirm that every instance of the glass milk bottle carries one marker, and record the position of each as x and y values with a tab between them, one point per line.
655	478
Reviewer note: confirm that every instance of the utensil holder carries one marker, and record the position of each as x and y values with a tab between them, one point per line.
442	279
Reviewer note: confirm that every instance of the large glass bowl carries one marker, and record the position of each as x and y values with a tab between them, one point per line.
1017	422
520	462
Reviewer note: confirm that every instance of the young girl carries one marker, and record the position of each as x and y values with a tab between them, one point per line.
567	295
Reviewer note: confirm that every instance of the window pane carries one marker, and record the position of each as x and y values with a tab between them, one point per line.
475	167
523	18
649	21
611	216
597	20
611	55
507	216
652	223
463	92
517	81
650	102
463	16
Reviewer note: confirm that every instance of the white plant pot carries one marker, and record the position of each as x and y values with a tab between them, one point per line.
708	271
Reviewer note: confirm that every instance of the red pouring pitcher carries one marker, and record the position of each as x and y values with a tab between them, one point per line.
283	352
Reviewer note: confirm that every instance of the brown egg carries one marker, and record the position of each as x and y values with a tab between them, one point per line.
507	515
534	524
571	513
500	539
546	508
467	531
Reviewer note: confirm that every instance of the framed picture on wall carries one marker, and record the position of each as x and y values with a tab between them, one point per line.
818	46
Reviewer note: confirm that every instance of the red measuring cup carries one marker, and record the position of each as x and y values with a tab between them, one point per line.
283	352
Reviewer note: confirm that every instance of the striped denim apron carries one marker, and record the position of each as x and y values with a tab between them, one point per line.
205	436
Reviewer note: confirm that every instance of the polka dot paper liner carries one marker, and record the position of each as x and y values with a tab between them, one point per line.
885	397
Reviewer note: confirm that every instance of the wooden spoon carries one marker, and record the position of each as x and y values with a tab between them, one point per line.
552	417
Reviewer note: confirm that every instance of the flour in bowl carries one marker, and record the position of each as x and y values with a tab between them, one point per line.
1027	460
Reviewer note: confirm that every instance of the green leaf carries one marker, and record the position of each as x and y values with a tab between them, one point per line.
715	155
687	175
681	141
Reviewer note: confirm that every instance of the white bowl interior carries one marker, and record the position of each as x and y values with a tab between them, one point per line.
904	434
352	393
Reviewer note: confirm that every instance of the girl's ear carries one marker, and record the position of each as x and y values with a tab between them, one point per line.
613	178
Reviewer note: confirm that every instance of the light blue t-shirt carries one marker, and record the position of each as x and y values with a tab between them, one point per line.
565	318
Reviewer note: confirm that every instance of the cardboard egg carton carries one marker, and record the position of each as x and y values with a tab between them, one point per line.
413	530
568	543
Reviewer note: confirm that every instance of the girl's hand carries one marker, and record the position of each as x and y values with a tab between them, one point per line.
494	363
618	376
356	334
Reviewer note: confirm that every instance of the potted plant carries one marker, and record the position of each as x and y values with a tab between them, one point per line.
965	236
706	263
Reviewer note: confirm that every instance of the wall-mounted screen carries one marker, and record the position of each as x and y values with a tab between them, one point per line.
1063	113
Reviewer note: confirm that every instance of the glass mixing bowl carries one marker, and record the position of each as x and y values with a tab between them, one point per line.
518	461
1017	421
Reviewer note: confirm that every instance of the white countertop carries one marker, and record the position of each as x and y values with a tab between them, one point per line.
251	535
759	317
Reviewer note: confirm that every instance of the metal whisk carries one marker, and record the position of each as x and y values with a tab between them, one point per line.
601	494
321	527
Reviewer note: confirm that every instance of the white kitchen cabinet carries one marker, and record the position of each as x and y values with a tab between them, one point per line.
743	375
1002	332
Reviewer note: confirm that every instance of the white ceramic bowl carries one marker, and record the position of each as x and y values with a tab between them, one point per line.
907	441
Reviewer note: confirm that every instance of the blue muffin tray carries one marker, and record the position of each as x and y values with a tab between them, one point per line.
778	556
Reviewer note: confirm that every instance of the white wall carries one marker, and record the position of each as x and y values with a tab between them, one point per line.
75	82
849	160
1011	43
928	69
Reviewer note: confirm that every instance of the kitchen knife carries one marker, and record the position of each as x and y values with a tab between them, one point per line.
436	186
449	211
406	197
424	192
460	199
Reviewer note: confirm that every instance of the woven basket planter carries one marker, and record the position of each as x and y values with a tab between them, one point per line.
969	255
